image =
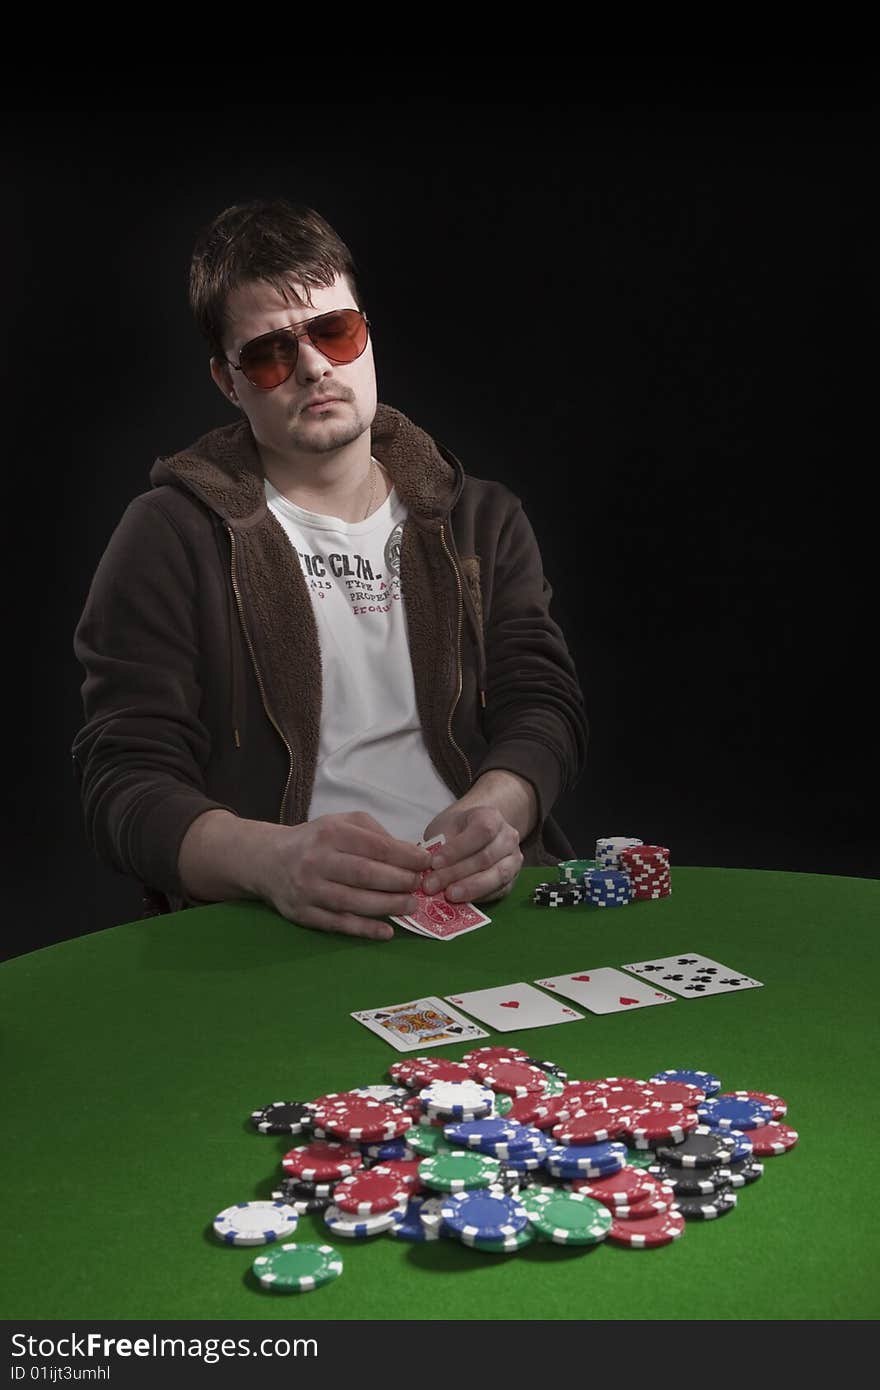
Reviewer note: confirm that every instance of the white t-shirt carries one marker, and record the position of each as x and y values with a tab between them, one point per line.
371	755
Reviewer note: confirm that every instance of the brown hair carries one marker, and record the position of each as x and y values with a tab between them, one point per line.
271	240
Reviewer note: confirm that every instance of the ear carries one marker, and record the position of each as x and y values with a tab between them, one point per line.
223	378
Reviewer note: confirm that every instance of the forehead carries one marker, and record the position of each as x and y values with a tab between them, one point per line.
258	307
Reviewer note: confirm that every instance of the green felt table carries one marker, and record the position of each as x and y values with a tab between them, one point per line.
134	1056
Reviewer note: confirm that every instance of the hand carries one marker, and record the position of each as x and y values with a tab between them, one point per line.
338	873
481	857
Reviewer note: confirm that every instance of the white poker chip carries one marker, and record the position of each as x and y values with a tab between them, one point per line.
457	1098
343	1223
255	1223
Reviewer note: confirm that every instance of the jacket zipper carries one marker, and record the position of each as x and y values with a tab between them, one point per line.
459	683
259	678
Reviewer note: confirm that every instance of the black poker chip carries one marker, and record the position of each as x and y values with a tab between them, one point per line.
508	1179
702	1148
297	1189
283	1117
304	1206
549	1067
705	1208
748	1170
691	1182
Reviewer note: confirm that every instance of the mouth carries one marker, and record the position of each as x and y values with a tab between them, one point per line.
323	404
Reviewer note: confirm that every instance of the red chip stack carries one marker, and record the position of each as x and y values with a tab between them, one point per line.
648	869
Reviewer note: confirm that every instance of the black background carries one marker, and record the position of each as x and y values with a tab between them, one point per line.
647	312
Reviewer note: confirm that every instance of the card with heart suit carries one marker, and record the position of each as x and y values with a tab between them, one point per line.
692	975
511	1007
605	991
419	1023
436	916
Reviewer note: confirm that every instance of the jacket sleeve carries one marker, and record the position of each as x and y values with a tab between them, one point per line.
534	719
140	755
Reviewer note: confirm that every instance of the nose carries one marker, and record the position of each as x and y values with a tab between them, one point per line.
311	364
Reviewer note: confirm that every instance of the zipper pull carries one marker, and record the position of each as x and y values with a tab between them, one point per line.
483	698
237	739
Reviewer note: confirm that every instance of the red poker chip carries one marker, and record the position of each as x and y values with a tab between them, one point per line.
552	1110
524	1110
647	1232
680	1092
406	1169
322	1161
590	1127
625	1188
352	1129
772	1138
494	1054
402	1072
641	1211
366	1194
649	1127
428	1069
620	1097
778	1106
512	1078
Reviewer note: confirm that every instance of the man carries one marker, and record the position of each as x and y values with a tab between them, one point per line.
316	641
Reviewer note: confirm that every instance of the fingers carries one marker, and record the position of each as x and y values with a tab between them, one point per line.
348	923
359	834
482	860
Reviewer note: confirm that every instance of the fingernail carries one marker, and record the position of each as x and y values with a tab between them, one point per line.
453	894
432	883
411	907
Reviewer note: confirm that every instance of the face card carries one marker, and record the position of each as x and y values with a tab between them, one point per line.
692	975
511	1007
605	991
419	1023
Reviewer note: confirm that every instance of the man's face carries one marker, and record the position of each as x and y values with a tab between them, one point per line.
280	418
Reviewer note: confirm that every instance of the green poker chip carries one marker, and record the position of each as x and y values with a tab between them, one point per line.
554	1085
297	1268
427	1140
502	1104
459	1169
640	1158
567	1218
506	1245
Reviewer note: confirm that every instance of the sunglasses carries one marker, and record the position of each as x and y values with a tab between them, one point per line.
270	359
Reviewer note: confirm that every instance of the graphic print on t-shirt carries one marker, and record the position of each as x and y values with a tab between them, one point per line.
354	577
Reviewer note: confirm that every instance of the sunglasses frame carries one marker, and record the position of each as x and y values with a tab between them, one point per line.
300	330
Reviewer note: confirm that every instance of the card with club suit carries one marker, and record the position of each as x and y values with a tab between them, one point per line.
692	975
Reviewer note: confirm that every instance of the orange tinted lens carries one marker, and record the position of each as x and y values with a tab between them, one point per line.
341	336
271	360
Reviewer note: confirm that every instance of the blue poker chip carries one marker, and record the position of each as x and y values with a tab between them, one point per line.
483	1215
732	1112
391	1148
744	1148
407	1224
707	1083
586	1160
480	1134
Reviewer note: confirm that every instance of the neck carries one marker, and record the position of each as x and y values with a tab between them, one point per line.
351	496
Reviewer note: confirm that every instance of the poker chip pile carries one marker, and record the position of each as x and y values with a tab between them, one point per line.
625	869
500	1150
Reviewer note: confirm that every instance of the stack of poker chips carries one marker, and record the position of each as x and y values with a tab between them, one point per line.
624	869
647	867
608	887
497	1151
609	850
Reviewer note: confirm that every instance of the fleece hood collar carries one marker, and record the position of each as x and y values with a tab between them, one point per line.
224	469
